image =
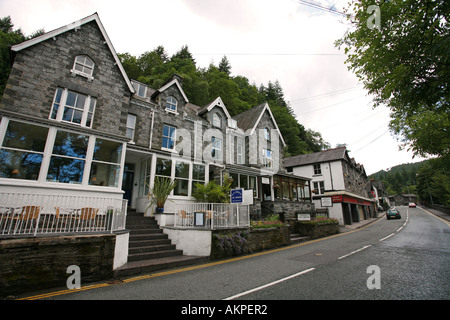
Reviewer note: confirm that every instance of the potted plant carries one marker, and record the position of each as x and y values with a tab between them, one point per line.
159	193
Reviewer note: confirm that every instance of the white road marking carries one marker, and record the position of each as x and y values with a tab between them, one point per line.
269	284
353	252
387	237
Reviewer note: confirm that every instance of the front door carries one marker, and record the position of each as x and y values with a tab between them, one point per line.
128	180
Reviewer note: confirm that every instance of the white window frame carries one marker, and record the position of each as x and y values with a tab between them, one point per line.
267	158
84	65
172	105
48	154
174	138
61	105
217	120
240	154
267	134
138	87
317	169
319	186
131	127
216	148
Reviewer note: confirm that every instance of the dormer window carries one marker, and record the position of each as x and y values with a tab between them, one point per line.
217	120
171	104
266	134
83	66
141	89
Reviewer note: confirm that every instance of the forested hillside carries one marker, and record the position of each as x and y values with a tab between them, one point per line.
203	85
429	179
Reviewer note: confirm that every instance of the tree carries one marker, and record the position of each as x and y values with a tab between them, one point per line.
224	65
405	63
8	38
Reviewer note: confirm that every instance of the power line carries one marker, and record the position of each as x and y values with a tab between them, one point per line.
372	141
267	54
331	105
319	7
332	93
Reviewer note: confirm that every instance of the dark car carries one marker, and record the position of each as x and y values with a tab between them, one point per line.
393	213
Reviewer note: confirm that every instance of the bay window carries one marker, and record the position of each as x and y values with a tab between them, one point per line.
105	167
68	157
182	176
22	151
48	155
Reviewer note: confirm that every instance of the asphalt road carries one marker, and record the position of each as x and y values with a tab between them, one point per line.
404	259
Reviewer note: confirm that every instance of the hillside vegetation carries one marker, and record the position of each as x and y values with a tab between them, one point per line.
203	85
429	180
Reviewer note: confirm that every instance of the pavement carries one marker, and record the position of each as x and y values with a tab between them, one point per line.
357	225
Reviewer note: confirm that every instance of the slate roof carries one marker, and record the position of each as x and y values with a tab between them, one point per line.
317	157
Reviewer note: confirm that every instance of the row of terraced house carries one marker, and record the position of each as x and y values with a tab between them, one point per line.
74	126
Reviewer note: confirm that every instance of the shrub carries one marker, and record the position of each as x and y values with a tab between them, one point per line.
232	244
321	220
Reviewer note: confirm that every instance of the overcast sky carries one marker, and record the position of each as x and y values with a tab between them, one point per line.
264	40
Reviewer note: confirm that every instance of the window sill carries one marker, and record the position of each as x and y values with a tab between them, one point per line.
74	73
171	111
169	150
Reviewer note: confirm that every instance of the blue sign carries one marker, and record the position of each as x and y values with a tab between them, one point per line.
236	196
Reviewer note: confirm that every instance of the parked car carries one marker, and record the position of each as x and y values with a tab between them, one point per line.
412	205
393	213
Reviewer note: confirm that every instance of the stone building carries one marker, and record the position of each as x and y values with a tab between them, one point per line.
73	123
339	184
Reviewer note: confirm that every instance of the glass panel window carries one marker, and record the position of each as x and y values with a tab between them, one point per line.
141	90
198	175
144	179
68	158
22	151
182	176
73	107
84	65
266	134
164	167
131	125
217	120
253	185
105	168
168	138
171	104
317	169
216	152
240	154
267	158
243	181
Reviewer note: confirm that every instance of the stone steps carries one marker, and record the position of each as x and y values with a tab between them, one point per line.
150	249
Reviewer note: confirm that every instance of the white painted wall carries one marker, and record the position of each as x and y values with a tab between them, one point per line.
121	250
192	242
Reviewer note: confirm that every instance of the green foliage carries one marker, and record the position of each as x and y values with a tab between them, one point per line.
319	221
405	65
8	38
429	180
203	85
161	190
213	192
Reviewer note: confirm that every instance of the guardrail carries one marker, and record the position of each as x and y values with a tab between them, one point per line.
212	215
36	214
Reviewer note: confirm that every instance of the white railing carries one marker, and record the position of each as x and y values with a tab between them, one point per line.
33	214
212	215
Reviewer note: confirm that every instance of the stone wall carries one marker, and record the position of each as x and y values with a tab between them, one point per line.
314	230
287	209
31	264
234	242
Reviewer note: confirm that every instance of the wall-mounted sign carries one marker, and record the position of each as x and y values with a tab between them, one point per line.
265	180
326	202
237	195
303	216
